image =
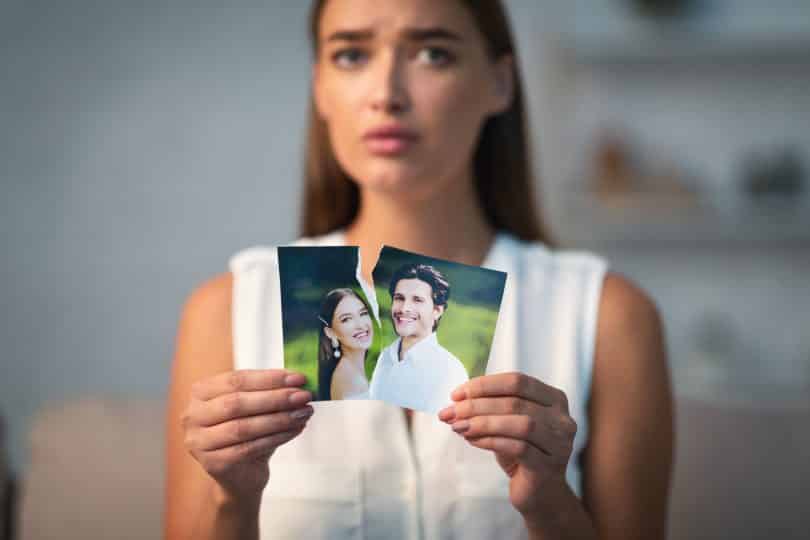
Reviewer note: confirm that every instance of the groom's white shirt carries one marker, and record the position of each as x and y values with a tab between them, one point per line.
422	380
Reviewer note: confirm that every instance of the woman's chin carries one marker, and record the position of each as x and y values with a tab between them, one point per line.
396	177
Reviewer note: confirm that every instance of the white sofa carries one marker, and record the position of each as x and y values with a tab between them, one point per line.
95	472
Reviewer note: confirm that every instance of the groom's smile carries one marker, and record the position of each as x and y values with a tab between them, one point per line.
403	322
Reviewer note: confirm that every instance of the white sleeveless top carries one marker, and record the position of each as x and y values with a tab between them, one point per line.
356	472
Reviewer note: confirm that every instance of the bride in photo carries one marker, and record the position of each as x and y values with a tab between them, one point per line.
346	333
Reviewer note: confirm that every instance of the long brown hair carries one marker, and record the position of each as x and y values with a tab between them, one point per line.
502	164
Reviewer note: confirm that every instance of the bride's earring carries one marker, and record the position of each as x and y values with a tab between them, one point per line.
336	347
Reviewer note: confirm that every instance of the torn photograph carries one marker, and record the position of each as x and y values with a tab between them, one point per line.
423	329
328	326
438	320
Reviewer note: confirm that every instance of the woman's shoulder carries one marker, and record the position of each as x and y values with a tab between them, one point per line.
539	257
265	254
626	310
204	342
209	303
623	305
245	259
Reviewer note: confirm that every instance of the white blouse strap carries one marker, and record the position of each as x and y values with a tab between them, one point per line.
256	310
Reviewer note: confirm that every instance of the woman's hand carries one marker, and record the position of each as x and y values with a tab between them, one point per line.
236	420
525	423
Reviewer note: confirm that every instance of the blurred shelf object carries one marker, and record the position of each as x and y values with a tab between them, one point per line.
709	385
614	32
651	221
725	365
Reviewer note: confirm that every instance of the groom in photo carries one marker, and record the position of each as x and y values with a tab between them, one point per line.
415	371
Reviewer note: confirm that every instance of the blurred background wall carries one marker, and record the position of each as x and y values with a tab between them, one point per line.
143	143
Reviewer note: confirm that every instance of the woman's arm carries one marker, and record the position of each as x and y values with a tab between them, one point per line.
223	425
627	464
203	349
526	423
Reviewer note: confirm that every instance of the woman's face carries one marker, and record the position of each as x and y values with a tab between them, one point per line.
351	324
404	87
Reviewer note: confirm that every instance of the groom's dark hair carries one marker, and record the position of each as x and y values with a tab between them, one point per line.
439	286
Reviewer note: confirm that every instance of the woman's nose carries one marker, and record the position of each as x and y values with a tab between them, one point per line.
389	85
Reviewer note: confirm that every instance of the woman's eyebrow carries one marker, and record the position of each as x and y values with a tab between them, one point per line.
412	34
433	32
350	35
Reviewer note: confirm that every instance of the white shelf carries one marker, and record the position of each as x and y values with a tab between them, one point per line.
654	221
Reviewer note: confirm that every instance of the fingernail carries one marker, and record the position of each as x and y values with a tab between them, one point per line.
301	413
445	415
461	426
459	394
296	379
299	398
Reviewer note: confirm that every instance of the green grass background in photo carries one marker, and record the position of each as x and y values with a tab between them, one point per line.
306	275
468	324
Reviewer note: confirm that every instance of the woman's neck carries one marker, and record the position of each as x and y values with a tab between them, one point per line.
448	225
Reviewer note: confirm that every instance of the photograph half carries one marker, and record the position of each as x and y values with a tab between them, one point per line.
438	319
331	334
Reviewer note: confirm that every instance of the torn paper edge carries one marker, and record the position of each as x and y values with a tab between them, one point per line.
368	290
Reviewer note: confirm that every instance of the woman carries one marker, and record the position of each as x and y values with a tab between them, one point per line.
346	333
417	140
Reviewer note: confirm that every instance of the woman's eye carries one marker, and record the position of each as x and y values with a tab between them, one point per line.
348	58
435	56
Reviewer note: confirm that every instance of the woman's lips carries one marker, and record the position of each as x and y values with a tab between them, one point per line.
388	146
390	140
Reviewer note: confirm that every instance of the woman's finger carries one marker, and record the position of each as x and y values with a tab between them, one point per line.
240	404
484	406
512	385
538	431
218	462
245	380
246	429
515	449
